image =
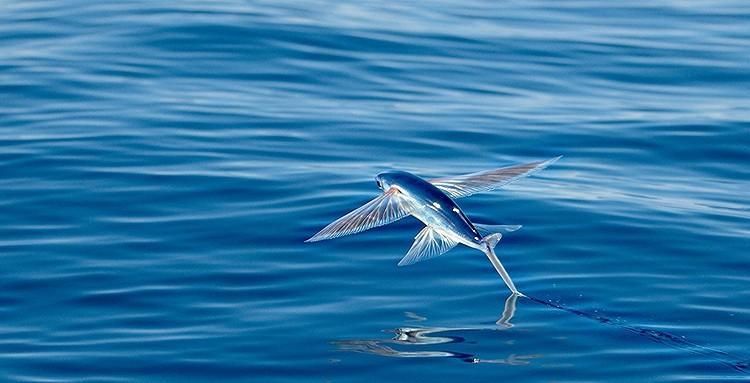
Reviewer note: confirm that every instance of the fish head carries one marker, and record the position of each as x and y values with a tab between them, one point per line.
391	178
383	180
398	179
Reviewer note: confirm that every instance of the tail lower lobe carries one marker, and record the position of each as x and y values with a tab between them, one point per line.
490	242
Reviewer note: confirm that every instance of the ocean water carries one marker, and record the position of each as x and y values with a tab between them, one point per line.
161	164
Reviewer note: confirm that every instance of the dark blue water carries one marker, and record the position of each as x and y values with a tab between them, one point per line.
162	162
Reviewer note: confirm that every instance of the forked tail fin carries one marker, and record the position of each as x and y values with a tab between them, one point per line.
490	242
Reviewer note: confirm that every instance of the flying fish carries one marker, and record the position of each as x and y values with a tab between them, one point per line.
432	202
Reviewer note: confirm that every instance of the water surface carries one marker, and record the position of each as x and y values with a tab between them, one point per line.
163	162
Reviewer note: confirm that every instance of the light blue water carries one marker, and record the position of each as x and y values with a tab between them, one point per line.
162	163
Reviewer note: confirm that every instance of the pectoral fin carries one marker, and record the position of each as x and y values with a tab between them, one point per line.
384	209
429	243
468	184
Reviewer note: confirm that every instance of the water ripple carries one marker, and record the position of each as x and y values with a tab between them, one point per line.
163	162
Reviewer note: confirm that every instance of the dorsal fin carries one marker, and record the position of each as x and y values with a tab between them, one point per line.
489	229
429	243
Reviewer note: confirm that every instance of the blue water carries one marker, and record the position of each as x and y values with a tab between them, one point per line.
162	162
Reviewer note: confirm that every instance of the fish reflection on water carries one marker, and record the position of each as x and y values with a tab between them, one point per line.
432	336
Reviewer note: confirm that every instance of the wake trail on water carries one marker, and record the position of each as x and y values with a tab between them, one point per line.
735	362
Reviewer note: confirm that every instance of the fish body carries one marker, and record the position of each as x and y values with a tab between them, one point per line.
432	202
433	207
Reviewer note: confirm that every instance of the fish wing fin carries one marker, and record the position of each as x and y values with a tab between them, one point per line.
489	229
468	184
429	243
382	210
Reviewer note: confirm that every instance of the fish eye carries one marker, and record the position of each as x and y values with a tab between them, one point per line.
379	184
